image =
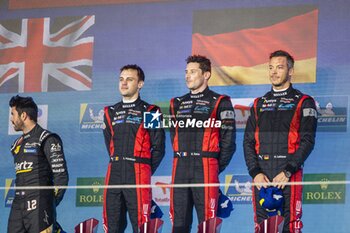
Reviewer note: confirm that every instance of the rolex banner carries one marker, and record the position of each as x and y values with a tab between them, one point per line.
92	196
326	192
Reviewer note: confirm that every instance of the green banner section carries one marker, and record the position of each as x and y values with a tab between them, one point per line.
89	197
325	192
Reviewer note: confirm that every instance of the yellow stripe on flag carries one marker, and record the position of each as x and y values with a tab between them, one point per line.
304	72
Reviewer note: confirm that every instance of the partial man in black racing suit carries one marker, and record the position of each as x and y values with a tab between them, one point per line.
39	161
279	136
135	153
201	150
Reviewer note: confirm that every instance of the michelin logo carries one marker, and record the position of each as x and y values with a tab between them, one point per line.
238	188
91	117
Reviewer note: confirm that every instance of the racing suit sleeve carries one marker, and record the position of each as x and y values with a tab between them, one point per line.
157	137
107	133
307	133
227	132
53	149
249	142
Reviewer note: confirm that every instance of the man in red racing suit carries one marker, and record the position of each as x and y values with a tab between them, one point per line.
201	152
135	153
279	136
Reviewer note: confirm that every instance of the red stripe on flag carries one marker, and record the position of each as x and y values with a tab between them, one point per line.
76	76
67	54
3	40
7	74
16	54
35	54
71	29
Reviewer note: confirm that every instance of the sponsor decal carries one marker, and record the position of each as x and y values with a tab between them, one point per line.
238	188
30	150
92	196
42	119
286	106
276	94
23	167
161	194
201	109
332	113
133	119
55	147
91	117
227	115
9	193
309	112
325	192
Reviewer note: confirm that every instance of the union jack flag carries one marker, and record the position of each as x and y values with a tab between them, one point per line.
41	55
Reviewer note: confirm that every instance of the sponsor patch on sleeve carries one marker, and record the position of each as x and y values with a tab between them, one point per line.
309	112
228	114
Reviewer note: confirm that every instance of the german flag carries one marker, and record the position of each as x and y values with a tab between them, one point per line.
239	41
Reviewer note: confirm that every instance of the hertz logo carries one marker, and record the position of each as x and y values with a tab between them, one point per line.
24	167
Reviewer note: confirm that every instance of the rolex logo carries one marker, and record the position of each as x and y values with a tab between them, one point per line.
324	183
95	189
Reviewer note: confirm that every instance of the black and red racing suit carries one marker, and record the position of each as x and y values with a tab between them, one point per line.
200	154
279	136
135	153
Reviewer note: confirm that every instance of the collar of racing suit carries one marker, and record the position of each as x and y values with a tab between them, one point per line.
132	104
282	93
31	132
200	94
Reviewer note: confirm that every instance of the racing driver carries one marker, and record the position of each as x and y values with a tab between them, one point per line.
202	149
39	161
279	136
135	152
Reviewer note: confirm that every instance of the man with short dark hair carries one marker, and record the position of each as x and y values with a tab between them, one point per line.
134	152
39	161
200	152
279	136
